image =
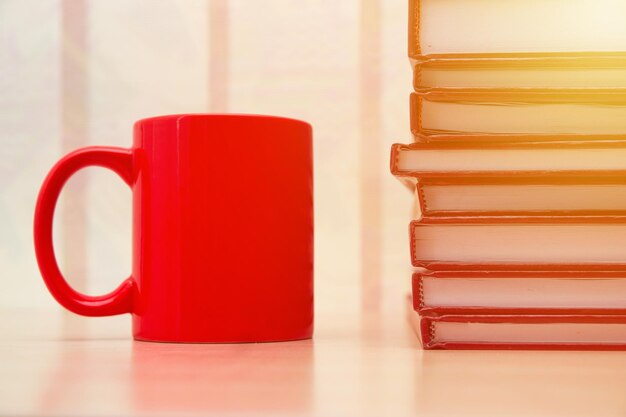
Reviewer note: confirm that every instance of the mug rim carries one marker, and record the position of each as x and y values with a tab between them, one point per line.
182	116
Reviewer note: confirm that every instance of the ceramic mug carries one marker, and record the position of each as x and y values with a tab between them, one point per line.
222	229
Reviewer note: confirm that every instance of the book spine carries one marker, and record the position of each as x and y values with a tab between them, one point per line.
419	295
414	49
428	329
415	114
481	311
421	200
393	159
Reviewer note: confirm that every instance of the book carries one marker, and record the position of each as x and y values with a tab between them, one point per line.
519	292
476	26
502	113
505	71
519	243
521	195
544	332
497	159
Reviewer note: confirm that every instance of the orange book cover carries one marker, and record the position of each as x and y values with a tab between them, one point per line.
514	70
410	162
511	195
463	114
439	28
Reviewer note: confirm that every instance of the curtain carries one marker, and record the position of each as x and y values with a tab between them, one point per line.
76	73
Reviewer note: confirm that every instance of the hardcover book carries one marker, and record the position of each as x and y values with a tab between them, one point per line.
476	26
519	243
563	332
519	292
505	71
521	195
528	113
498	159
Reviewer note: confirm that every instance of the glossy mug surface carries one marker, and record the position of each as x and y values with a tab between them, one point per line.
222	229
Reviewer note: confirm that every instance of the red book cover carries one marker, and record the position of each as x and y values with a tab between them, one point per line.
512	195
437	293
523	332
519	243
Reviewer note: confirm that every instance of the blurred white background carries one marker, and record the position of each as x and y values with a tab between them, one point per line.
75	73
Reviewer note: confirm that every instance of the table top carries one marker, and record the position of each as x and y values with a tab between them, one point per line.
357	365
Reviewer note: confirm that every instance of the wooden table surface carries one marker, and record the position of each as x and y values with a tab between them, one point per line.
367	365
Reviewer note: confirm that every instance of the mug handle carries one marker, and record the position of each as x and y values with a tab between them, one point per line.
119	301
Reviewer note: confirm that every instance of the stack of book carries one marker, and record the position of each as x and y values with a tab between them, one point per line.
518	165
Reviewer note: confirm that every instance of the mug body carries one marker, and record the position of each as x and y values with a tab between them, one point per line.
222	229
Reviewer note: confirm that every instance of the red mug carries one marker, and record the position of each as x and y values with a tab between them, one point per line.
222	229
